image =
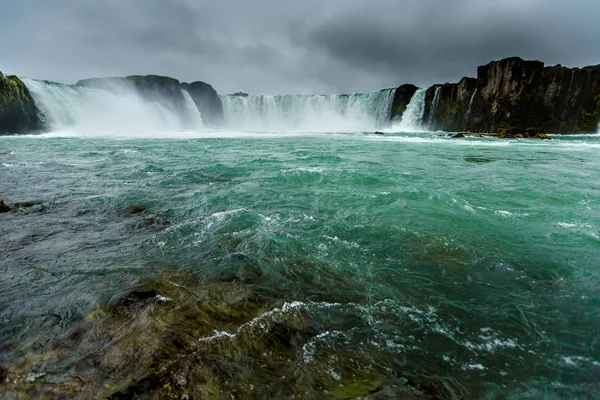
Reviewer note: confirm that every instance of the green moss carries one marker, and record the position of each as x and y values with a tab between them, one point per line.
357	387
18	112
93	315
591	118
399	110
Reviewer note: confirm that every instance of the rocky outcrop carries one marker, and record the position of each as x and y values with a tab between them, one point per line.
18	112
401	99
513	96
208	102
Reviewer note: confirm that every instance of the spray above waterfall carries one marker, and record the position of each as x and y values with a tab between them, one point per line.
111	108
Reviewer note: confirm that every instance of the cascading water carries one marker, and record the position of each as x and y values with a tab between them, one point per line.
115	109
434	104
319	113
470	105
412	119
191	110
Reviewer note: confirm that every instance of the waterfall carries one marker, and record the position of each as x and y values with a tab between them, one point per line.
191	111
412	119
470	105
434	104
111	109
319	113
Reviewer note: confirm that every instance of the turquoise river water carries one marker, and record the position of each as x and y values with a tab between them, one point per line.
314	266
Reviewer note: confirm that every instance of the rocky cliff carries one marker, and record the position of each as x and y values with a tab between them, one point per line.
513	96
208	102
401	99
18	112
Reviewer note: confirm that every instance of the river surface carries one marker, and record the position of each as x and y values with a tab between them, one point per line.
348	265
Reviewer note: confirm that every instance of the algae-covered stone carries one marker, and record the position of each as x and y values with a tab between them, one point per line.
18	112
182	336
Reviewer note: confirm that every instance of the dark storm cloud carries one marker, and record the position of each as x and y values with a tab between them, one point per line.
278	46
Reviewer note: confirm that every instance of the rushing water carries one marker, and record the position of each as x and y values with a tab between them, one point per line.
434	104
315	113
412	119
306	265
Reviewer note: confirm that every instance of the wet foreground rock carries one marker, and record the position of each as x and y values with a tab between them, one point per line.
180	337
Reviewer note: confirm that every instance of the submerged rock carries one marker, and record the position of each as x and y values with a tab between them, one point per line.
379	133
135	209
458	135
179	336
4	207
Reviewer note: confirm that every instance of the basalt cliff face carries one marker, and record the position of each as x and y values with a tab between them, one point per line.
402	97
18	112
513	96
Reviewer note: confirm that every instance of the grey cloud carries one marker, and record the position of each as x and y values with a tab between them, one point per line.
277	46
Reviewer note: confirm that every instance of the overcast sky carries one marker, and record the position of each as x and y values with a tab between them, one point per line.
300	46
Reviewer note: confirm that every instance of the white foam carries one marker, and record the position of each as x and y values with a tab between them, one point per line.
316	170
477	367
567	225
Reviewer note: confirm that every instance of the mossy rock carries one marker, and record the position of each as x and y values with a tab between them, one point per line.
182	335
18	112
